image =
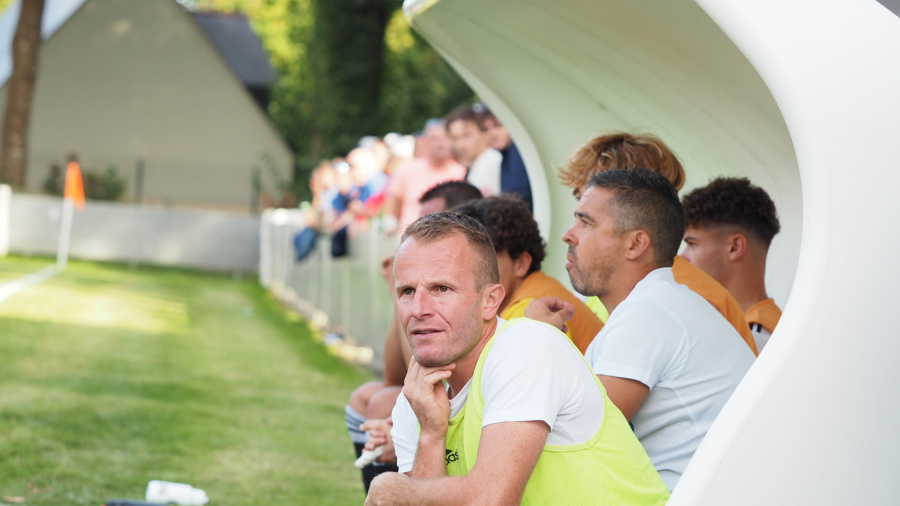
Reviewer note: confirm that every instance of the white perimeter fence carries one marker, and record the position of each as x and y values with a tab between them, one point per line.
119	232
346	295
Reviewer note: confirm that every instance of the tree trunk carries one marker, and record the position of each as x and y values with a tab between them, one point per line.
19	93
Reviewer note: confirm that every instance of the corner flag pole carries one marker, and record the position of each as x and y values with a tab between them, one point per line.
73	198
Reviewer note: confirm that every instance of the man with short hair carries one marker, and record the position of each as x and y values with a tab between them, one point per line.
628	151
518	395
369	407
730	225
513	175
668	359
520	251
470	143
447	195
416	176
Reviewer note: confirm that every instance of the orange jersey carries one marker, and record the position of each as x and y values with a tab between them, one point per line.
705	285
765	313
584	324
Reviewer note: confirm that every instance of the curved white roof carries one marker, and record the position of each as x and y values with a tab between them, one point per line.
801	97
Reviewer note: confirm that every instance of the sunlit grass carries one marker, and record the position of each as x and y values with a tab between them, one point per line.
13	267
112	378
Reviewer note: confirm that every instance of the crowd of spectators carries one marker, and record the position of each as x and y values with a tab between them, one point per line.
385	177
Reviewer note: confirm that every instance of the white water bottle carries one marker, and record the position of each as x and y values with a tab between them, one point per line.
178	493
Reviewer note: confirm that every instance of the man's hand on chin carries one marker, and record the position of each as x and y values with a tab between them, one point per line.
426	394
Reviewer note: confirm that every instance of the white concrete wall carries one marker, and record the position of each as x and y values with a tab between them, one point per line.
106	231
781	91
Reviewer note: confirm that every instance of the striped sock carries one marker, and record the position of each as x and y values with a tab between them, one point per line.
354	420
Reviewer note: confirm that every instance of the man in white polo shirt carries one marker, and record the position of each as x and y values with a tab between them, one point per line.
668	360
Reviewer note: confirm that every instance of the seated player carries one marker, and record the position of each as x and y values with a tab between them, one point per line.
667	358
522	419
730	225
370	405
627	151
520	251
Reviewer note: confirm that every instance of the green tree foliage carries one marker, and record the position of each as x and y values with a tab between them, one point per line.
418	84
347	55
348	68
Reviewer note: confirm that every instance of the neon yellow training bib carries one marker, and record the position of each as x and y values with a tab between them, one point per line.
612	468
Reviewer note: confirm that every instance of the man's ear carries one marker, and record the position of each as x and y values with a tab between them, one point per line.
637	244
737	246
493	296
521	265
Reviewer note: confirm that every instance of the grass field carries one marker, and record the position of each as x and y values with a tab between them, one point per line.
111	378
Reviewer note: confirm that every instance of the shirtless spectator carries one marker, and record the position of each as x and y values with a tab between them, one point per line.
627	151
513	176
371	403
520	251
517	395
470	143
415	177
668	359
730	225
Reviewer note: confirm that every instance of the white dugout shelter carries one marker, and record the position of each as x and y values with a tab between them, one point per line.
800	96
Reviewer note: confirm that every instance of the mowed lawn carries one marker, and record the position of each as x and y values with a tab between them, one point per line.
110	378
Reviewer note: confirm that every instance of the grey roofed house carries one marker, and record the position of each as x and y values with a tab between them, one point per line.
239	44
125	82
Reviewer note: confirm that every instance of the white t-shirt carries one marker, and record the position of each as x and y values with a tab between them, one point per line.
675	342
484	173
532	373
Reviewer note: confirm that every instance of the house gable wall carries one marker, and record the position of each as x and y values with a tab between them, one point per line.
123	80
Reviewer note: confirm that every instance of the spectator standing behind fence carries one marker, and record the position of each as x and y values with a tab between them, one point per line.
730	225
513	176
470	143
370	179
414	178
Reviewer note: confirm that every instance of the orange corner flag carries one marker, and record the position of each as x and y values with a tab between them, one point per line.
74	185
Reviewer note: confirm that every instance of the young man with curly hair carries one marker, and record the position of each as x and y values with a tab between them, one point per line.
520	251
730	225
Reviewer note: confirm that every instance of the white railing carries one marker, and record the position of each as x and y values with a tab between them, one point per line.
5	199
135	234
345	297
